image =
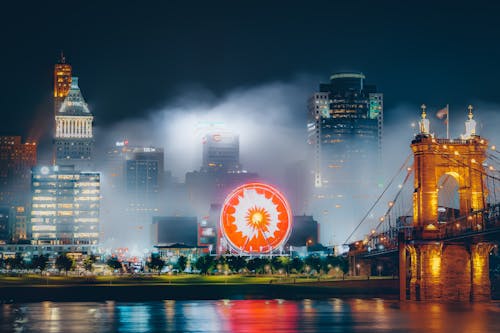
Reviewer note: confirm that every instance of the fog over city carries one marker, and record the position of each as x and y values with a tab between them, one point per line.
270	120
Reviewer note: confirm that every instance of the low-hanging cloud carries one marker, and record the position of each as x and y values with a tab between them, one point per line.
271	122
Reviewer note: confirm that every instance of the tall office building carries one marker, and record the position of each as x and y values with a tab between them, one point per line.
345	131
16	160
221	152
144	169
74	141
65	206
62	82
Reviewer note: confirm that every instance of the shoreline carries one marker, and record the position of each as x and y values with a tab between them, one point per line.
387	289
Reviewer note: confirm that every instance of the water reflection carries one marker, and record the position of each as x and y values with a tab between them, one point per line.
334	315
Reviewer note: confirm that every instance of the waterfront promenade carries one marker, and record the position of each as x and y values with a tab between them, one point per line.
36	288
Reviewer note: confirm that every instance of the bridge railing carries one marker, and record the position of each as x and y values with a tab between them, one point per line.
475	222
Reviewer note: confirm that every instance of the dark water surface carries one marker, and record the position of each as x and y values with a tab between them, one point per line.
334	315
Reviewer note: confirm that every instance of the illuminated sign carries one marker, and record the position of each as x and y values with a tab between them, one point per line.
121	143
45	170
256	218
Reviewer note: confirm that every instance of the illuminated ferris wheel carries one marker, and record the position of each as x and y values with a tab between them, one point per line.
256	218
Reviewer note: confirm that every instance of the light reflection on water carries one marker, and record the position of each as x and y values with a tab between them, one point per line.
334	315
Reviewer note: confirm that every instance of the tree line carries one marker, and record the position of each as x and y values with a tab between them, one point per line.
256	265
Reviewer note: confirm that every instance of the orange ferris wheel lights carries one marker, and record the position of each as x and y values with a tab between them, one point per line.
256	218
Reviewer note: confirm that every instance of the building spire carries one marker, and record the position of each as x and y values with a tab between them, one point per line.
62	60
470	125
470	108
424	122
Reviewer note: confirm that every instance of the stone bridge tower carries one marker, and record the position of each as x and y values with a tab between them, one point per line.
438	267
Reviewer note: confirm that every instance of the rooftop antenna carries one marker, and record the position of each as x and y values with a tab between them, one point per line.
63	58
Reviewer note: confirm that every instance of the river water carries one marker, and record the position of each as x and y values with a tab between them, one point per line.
334	315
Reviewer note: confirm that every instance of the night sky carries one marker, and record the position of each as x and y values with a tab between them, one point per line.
133	57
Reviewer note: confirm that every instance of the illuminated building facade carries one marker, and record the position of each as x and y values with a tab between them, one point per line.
74	141
62	82
5	233
208	228
221	152
65	206
16	160
345	126
345	130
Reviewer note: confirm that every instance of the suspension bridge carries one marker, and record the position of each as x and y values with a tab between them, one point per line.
443	221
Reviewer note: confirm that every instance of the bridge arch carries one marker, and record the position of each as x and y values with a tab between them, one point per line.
448	196
460	159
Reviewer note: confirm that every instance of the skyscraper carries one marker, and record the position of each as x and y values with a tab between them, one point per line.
62	82
74	141
65	206
221	152
144	170
16	160
345	131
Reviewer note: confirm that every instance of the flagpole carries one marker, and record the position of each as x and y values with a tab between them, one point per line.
447	121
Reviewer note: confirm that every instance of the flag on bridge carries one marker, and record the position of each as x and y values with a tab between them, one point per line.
444	113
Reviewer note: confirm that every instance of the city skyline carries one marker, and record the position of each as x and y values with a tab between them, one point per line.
240	166
268	115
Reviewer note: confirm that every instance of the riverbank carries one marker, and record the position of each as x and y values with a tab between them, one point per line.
198	291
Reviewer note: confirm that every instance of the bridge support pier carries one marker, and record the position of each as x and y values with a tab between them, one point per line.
481	284
442	271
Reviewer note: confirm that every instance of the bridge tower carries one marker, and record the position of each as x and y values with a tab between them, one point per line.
442	267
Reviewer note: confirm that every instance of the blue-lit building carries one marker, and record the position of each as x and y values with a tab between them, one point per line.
345	130
65	206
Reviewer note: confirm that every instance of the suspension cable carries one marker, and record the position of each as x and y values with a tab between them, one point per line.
378	199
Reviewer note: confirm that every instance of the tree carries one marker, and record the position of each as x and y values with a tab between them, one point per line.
344	264
88	263
236	263
314	262
221	263
114	263
15	263
280	263
296	264
335	262
257	265
182	263
63	262
204	263
39	262
156	263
